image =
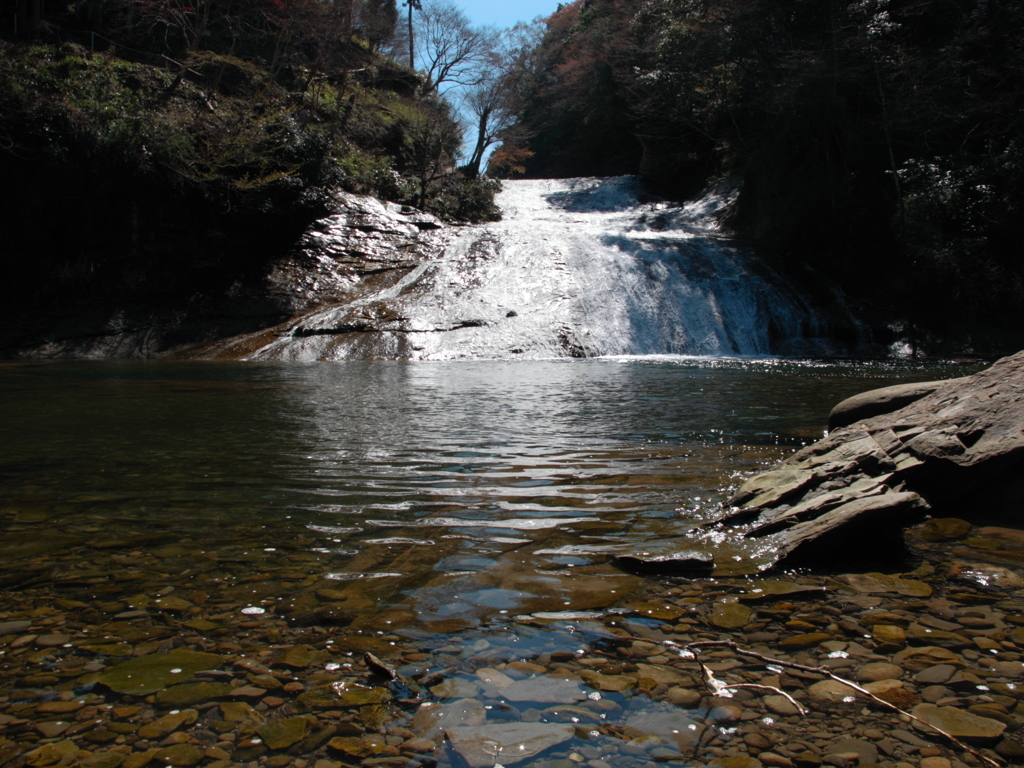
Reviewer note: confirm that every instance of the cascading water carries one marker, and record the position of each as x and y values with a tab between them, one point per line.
576	268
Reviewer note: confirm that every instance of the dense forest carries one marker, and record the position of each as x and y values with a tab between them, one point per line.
149	147
880	142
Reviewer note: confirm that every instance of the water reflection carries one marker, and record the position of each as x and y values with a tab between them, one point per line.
385	494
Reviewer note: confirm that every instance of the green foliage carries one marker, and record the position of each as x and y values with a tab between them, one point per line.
197	169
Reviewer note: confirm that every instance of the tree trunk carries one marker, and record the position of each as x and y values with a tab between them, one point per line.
412	48
477	157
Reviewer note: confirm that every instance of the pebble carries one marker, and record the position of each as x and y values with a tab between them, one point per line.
277	694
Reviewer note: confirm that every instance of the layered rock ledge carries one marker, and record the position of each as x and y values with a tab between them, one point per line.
944	447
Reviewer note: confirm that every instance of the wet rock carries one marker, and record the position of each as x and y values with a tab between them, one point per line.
800	642
159	728
510	743
670	727
281	734
832	692
190	694
958	723
149	674
180	756
879	670
944	529
51	641
730	616
874	476
683	697
780	705
543	690
877	402
433	719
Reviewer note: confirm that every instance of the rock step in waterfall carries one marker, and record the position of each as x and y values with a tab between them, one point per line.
576	268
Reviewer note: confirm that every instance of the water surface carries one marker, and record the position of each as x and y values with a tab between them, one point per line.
432	495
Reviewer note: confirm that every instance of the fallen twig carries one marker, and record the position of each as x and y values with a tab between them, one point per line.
717	686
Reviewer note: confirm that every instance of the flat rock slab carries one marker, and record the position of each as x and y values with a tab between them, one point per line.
542	690
506	743
149	674
958	723
900	453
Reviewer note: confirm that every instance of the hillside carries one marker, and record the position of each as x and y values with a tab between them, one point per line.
152	153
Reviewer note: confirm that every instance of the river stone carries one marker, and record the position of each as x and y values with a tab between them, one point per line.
192	693
917	659
866	751
455	688
494	678
609	683
14	627
152	673
800	642
659	611
281	734
889	634
768	589
52	640
670	727
355	746
172	604
877	402
302	656
740	761
433	719
59	707
159	728
730	616
957	722
103	760
683	697
831	692
180	756
543	690
780	705
661	674
506	743
239	712
989	576
48	754
879	670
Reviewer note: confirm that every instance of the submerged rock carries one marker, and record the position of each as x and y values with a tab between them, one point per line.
506	743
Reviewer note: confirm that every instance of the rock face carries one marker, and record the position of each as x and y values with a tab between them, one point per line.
905	451
366	246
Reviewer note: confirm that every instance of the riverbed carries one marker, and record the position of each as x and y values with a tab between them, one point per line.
264	526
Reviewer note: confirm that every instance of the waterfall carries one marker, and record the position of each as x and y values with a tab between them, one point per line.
576	268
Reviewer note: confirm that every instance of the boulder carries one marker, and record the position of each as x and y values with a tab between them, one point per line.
876	402
893	455
901	452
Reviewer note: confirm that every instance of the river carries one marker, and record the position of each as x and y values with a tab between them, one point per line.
207	550
408	474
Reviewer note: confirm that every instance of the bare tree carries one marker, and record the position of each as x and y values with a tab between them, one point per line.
496	100
452	53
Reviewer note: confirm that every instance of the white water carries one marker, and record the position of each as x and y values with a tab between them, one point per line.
577	267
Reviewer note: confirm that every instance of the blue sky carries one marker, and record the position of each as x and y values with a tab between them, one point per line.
505	13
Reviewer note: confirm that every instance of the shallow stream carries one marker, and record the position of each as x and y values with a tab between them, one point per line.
420	511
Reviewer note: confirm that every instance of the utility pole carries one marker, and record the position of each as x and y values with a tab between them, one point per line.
418	5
